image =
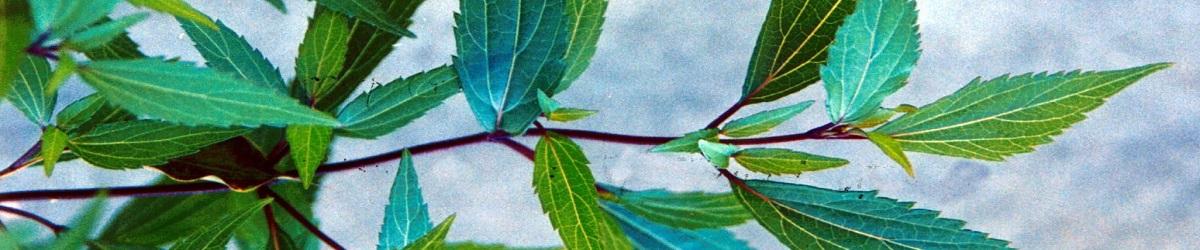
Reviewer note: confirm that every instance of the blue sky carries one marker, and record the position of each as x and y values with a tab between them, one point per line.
1124	178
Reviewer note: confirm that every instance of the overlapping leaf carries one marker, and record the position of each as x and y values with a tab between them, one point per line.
81	226
775	161
29	93
309	145
368	11
322	53
15	27
791	47
584	19
103	33
88	112
217	235
892	149
53	143
763	121
226	51
687	143
994	119
367	48
120	47
717	153
251	234
646	234
566	189
507	51
134	144
391	106
63	18
435	239
156	221
235	162
689	210
177	8
876	50
406	217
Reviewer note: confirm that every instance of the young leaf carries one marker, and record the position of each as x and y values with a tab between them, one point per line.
88	112
717	153
368	47
566	189
155	221
99	35
435	239
65	68
369	11
82	226
776	161
134	144
322	53
235	162
547	104
29	90
180	92
226	51
309	146
892	149
763	121
278	4
791	47
552	110
406	218
584	19
15	28
499	75
177	8
62	18
646	234
686	143
217	235
882	115
690	210
121	47
872	57
806	217
994	119
53	143
392	106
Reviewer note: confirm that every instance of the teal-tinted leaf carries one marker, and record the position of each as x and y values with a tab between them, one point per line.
892	149
235	162
217	235
226	51
177	8
322	53
62	18
156	221
507	51
806	217
368	11
566	189
182	93
646	234
15	28
82	226
121	47
686	143
134	144
554	112
763	121
775	161
88	112
994	119
584	21
254	233
278	4
435	239
882	115
547	104
717	153
791	47
53	143
467	245
406	218
309	146
99	35
690	210
29	90
368	47
875	50
17	234
391	106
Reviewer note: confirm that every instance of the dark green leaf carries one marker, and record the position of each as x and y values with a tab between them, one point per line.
254	233
501	74
121	47
467	245
226	51
875	51
368	47
309	146
322	53
177	8
88	112
686	143
892	149
405	218
29	90
763	121
584	19
791	47
62	18
235	162
82	226
391	106
717	153
15	28
156	221
53	143
566	189
435	239
646	234
368	11
217	235
99	35
133	144
690	210
774	161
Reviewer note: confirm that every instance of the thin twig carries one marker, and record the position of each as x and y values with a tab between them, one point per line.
23	161
272	225
56	228
312	228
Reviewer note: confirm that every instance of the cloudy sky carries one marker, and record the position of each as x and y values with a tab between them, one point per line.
1124	178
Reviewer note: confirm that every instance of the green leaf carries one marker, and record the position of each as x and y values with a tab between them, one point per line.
882	115
121	47
235	162
133	144
776	161
53	143
646	234
552	110
566	189
226	51
689	210
62	18
467	245
763	121
435	239
15	28
686	143
253	234
155	221
406	218
177	8
82	226
717	153
994	119
584	21
806	217
368	47
88	112
180	92
791	47
892	149
546	104
309	146
99	35
499	75
217	235
872	57
29	90
368	11
65	68
394	105
278	4
322	53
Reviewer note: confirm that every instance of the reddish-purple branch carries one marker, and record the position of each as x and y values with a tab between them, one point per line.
279	200
56	228
85	193
23	161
